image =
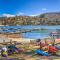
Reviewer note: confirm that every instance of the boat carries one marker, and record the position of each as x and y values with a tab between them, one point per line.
53	49
58	53
41	52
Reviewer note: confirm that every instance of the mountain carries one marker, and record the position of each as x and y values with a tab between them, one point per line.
51	18
50	14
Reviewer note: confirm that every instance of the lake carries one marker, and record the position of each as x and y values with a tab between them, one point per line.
43	32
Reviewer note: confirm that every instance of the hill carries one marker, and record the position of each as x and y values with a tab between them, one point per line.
52	18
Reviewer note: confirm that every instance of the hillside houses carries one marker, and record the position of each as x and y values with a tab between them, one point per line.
44	19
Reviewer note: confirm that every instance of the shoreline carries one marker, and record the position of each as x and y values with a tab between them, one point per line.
27	40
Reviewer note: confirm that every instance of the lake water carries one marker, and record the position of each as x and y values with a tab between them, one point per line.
42	33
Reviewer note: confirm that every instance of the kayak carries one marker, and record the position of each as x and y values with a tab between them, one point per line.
53	49
41	52
4	54
58	47
58	53
10	59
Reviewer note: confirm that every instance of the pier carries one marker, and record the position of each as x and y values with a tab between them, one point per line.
19	31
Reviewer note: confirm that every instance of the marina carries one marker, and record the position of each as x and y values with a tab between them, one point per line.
29	29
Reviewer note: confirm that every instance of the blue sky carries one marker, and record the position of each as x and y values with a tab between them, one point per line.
28	7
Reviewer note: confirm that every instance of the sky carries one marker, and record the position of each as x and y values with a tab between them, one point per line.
28	7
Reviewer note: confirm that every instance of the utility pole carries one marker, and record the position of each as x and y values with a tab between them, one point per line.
53	40
39	40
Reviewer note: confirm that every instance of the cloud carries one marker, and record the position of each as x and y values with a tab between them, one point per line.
44	9
34	15
11	15
7	15
20	13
